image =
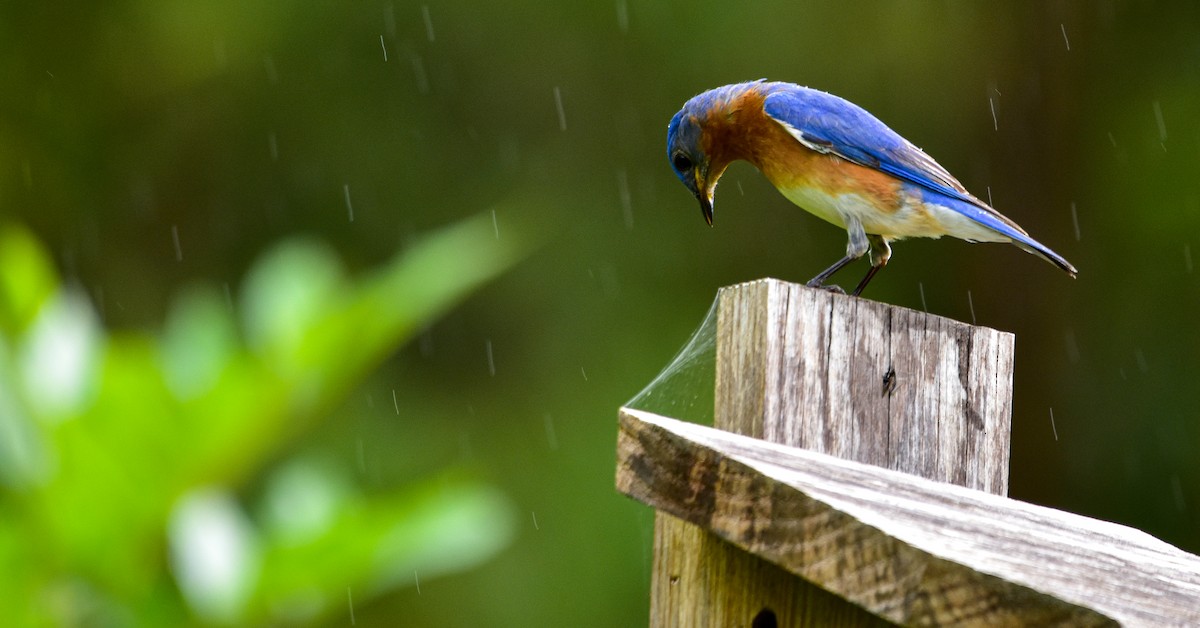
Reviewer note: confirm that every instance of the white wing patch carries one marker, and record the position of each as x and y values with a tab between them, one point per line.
820	147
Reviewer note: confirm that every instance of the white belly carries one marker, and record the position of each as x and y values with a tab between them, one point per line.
913	219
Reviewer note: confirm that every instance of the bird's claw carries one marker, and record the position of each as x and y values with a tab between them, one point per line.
834	288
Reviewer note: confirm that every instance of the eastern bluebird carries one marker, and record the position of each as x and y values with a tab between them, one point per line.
835	160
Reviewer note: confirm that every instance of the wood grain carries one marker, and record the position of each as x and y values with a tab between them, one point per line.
808	367
908	549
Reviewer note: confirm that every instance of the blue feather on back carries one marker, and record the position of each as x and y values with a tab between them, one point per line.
853	133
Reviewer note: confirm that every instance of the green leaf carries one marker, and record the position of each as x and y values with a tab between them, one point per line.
27	278
372	545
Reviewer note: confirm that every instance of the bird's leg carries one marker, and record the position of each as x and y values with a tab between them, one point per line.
880	254
855	248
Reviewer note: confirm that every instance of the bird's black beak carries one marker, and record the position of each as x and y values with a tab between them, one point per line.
706	207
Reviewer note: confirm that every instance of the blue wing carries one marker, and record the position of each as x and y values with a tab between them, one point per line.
829	124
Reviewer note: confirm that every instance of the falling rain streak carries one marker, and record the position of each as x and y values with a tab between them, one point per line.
349	207
551	437
1065	40
384	46
1053	426
1162	125
175	239
419	75
623	16
626	198
562	114
921	287
971	304
428	21
389	19
1072	347
1075	220
491	360
495	224
269	67
1177	491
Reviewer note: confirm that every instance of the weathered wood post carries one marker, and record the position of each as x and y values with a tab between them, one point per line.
853	378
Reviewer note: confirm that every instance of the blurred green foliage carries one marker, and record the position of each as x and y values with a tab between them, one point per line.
157	149
124	456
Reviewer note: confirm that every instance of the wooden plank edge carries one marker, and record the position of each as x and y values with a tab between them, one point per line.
926	552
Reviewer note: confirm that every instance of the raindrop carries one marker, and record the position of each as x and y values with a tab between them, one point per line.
1053	426
971	304
495	224
350	599
623	16
990	201
1075	220
551	438
384	46
269	66
995	121
395	403
741	190
175	239
562	114
491	361
1162	125
1065	40
921	287
1112	140
428	21
1140	358
349	207
1072	347
1187	257
273	146
417	581
389	19
626	198
1177	491
584	373
419	73
535	524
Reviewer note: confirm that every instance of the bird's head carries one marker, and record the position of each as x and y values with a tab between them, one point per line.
689	160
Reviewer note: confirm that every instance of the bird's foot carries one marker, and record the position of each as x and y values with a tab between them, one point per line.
834	288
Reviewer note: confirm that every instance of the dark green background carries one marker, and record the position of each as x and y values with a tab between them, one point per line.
239	124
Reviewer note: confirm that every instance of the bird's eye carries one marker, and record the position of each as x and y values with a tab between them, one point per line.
681	162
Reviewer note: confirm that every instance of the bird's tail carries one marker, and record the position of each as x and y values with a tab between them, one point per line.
1029	245
983	215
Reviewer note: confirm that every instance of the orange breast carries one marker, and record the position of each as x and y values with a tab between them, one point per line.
739	129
